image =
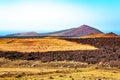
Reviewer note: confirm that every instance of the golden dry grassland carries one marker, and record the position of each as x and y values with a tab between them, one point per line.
59	70
40	45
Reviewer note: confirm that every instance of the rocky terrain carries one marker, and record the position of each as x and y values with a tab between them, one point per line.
108	51
68	63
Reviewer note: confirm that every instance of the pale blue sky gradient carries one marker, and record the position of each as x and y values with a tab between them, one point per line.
53	15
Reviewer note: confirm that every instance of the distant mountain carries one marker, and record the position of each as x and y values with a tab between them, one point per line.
23	34
99	35
112	34
79	31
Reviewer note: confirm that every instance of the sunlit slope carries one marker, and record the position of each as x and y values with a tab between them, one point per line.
98	35
40	45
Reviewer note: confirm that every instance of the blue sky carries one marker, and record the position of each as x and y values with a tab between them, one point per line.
53	15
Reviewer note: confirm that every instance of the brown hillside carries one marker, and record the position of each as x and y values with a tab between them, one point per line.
79	31
97	35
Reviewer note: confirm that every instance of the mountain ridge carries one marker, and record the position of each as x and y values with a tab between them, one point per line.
24	34
79	31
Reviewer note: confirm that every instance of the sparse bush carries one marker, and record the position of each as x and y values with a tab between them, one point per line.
18	76
51	77
61	75
5	74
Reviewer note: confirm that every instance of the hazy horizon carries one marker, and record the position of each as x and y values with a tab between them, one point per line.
44	16
4	33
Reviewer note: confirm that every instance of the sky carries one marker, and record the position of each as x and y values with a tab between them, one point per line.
53	15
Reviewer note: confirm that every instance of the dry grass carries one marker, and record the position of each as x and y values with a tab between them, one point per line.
57	70
97	35
40	45
64	70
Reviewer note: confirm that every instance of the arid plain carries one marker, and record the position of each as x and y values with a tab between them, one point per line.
55	58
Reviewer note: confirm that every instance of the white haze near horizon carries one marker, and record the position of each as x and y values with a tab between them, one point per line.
47	17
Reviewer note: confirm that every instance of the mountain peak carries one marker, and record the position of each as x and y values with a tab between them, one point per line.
79	31
84	25
112	34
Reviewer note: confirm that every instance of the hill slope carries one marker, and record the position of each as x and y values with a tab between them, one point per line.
23	34
98	35
79	31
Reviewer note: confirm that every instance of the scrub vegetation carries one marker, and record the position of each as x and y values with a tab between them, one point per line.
63	59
